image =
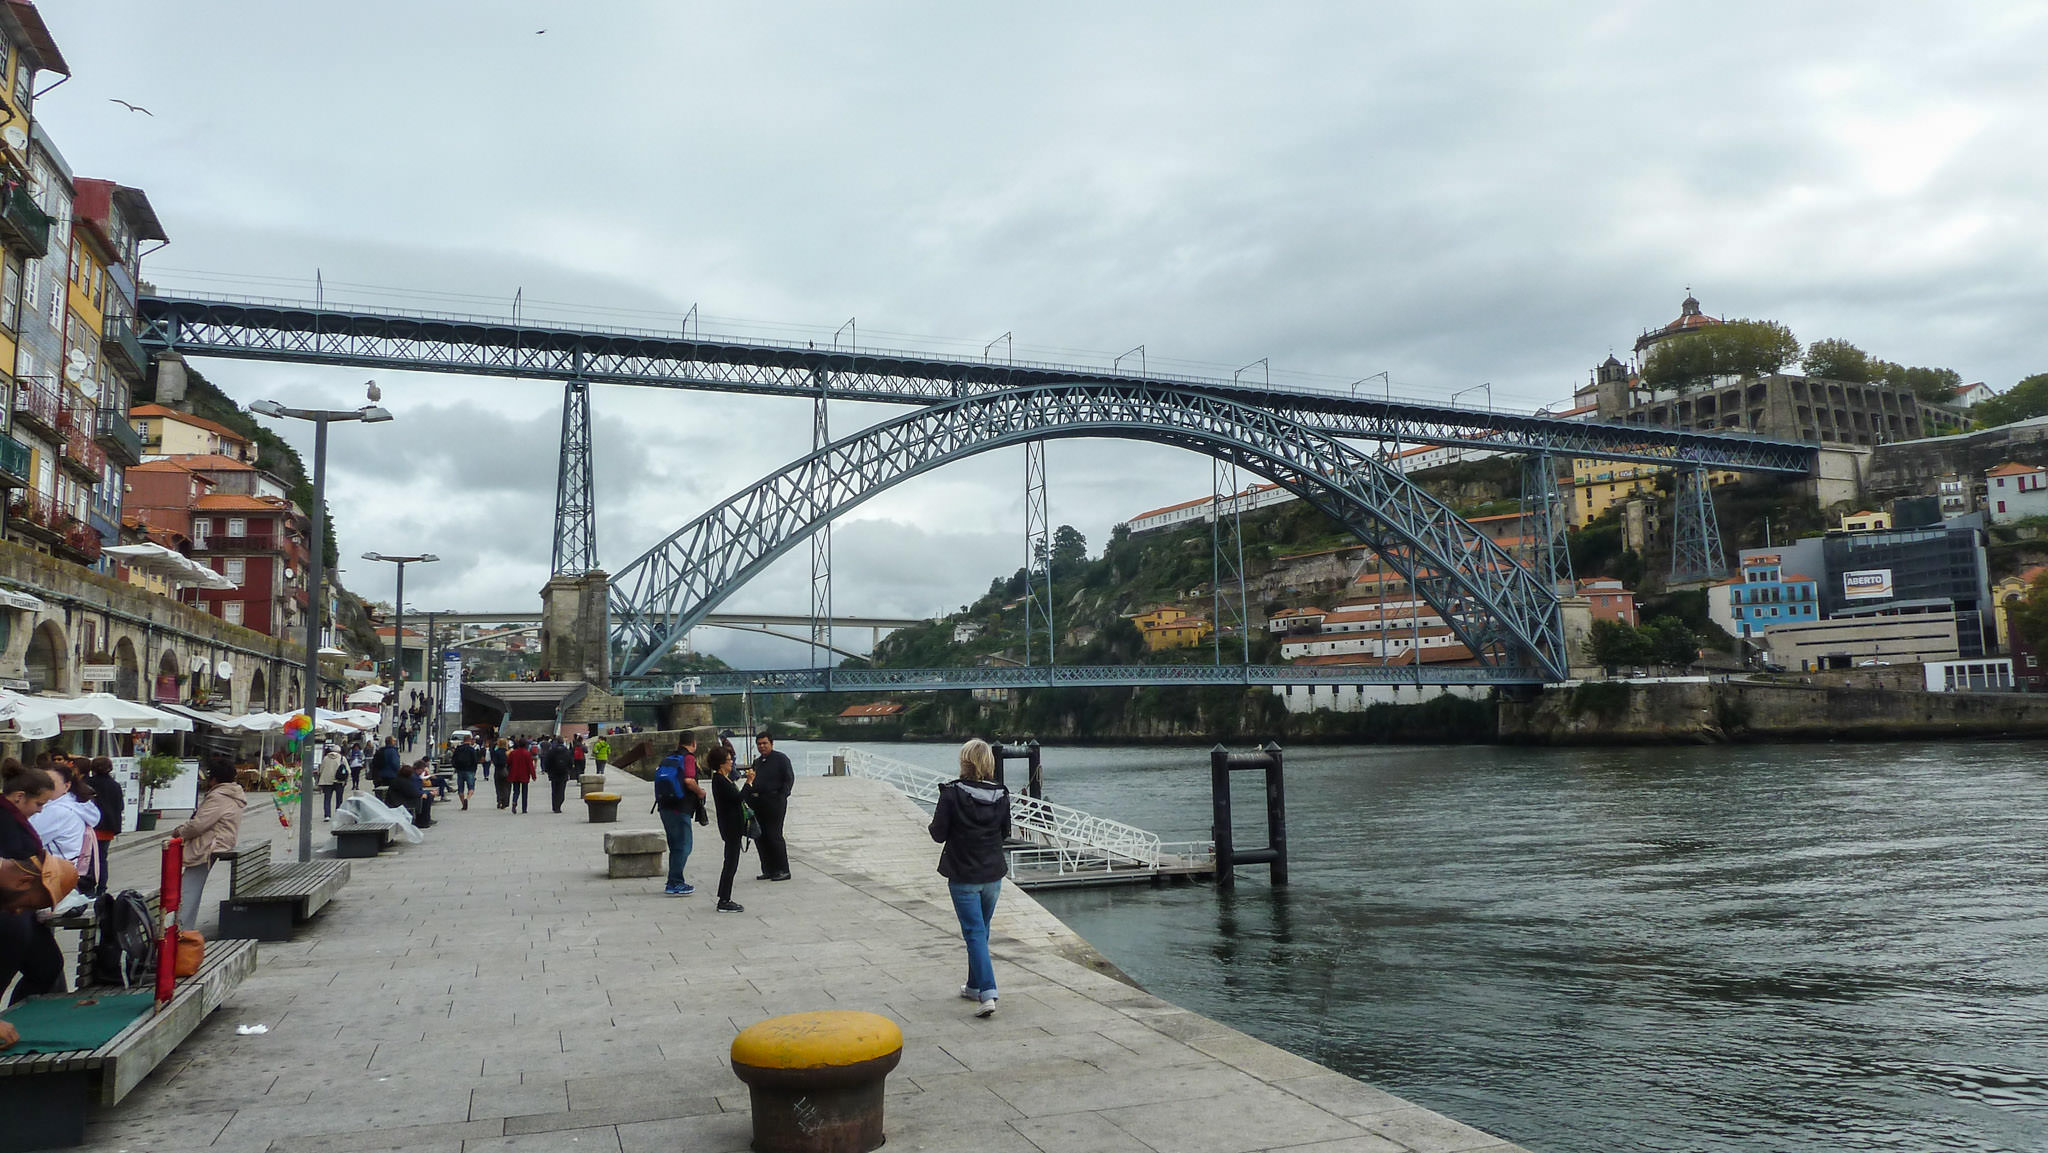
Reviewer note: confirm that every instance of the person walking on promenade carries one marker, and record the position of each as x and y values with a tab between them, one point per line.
464	760
581	753
106	793
679	798
27	944
355	766
500	751
972	816
601	752
772	778
557	763
732	823
519	770
333	779
212	831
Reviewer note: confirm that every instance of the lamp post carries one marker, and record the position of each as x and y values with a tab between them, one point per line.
316	577
398	608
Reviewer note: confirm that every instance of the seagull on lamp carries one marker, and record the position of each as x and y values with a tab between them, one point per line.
372	391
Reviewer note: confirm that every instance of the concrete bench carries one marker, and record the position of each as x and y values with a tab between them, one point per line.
46	1097
366	839
634	854
265	899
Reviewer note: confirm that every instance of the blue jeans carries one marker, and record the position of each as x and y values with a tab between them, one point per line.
974	905
677	826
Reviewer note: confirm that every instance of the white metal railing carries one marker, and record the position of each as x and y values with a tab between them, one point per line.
1053	825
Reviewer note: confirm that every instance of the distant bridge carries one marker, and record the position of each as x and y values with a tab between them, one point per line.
823	680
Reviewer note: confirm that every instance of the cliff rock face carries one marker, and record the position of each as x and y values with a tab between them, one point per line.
1625	713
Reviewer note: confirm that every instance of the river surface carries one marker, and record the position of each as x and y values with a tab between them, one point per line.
1809	947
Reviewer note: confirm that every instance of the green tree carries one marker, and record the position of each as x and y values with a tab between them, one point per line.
1837	360
1069	550
2028	616
1934	385
2023	401
1614	644
1738	348
1671	643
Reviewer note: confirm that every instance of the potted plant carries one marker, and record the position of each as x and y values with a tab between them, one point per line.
153	772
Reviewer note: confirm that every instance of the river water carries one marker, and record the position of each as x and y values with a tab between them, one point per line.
1826	947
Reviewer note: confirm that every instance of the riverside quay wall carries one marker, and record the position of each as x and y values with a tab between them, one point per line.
157	649
1705	712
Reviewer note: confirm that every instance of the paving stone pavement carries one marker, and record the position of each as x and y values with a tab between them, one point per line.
490	989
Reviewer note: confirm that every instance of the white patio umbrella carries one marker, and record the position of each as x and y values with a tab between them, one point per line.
105	712
30	718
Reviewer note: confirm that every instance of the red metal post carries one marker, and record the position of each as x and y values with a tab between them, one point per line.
169	891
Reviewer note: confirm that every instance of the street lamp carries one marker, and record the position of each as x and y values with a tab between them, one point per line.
398	609
316	596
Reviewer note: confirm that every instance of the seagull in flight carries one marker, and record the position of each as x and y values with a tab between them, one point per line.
133	107
541	32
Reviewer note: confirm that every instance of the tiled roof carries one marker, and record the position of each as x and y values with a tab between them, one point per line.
878	709
2010	468
212	460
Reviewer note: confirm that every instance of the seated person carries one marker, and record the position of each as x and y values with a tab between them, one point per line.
409	793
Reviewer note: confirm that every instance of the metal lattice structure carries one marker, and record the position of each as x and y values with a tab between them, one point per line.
821	545
1695	532
1226	559
575	551
309	333
1037	557
1501	612
1546	517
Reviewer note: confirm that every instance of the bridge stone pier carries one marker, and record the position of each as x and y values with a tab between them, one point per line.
573	641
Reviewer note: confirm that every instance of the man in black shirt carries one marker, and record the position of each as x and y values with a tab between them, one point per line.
557	762
771	778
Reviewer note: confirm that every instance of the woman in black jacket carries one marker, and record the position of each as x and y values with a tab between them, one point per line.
732	822
27	946
972	818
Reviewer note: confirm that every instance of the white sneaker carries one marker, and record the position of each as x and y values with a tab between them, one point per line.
969	993
988	1008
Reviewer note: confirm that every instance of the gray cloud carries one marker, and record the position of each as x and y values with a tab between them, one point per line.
1449	196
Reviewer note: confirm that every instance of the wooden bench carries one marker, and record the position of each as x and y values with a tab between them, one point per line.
265	899
366	839
45	1097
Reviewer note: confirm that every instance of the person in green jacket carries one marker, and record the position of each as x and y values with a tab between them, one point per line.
600	751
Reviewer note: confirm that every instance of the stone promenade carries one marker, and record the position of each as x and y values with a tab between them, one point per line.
490	989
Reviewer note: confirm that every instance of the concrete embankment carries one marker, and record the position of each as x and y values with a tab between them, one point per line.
491	988
1702	711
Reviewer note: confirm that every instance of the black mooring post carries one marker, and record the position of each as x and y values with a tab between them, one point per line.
1002	752
1037	779
1219	821
1276	813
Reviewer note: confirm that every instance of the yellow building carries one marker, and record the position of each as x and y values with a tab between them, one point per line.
1170	628
2004	593
168	432
1598	485
1866	521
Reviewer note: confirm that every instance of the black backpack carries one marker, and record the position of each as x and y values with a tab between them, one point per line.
126	953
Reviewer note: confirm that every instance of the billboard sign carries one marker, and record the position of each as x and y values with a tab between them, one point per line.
1867	584
451	680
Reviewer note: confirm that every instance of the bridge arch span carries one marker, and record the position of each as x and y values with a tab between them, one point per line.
1494	605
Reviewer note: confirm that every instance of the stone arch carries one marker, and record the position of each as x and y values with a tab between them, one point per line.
169	665
48	661
259	692
1494	605
127	671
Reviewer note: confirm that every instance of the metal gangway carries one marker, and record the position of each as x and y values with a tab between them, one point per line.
1066	847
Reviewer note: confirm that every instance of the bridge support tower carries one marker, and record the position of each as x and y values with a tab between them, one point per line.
575	628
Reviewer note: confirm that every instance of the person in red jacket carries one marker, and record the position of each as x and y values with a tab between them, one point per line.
519	769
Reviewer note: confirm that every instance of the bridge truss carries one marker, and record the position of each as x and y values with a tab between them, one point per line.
1501	611
1497	629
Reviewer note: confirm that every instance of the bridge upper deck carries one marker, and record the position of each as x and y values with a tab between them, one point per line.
301	331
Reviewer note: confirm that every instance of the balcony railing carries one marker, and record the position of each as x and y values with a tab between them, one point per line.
17	464
86	460
23	224
245	542
116	433
121	344
38	404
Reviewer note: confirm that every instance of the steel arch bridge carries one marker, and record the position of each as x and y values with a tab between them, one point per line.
1506	615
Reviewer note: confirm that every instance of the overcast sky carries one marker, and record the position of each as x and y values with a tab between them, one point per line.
1451	194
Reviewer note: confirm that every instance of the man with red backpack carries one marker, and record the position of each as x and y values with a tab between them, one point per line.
679	798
